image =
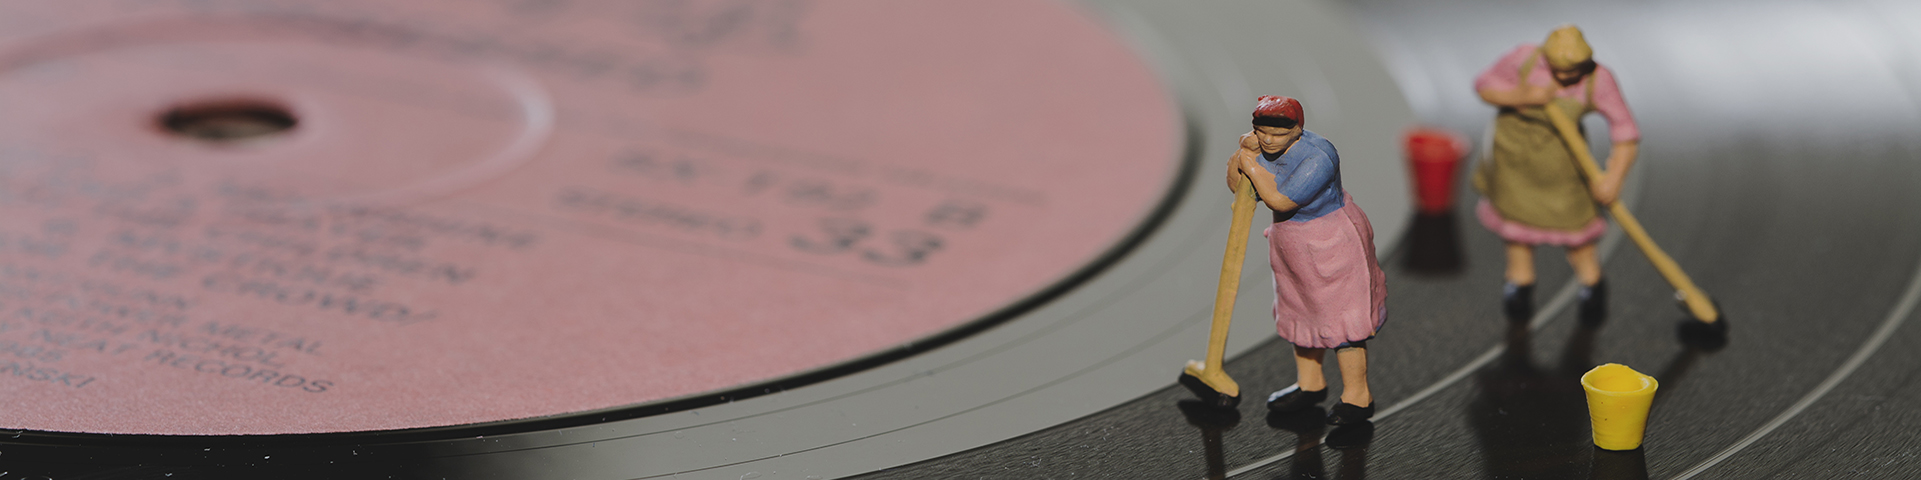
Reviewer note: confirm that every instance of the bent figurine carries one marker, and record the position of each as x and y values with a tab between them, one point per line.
1329	291
1532	191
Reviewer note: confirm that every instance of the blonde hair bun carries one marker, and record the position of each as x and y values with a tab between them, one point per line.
1566	49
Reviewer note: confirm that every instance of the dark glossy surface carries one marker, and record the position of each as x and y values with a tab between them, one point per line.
1075	354
1778	167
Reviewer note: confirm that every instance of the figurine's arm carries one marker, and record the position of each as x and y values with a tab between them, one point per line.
1607	189
1622	129
1520	96
1501	84
1245	162
1266	189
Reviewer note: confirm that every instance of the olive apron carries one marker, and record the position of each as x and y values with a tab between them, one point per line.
1530	177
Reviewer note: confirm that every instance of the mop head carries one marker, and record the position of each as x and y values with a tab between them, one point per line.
1205	393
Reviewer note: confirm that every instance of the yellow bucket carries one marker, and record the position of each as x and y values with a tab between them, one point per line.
1617	403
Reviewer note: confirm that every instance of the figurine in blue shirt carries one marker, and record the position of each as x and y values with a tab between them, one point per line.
1329	291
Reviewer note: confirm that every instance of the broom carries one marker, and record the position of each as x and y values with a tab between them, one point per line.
1696	302
1208	380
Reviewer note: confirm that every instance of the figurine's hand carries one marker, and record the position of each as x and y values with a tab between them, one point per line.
1244	163
1249	143
1233	172
1534	95
1606	189
1246	155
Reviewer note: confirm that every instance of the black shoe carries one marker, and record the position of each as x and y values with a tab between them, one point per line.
1346	414
1594	302
1294	398
1517	301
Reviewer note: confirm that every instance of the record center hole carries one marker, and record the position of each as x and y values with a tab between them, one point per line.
228	121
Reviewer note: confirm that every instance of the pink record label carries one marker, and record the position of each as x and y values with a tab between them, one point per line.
450	212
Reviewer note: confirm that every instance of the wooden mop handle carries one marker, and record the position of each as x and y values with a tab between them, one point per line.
1698	302
1230	272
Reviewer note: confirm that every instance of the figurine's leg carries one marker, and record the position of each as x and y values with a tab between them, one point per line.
1520	263
1307	363
1593	293
1517	297
1354	376
1586	263
1308	390
1357	404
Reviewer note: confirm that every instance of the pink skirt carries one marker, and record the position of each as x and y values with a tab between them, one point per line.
1519	233
1328	287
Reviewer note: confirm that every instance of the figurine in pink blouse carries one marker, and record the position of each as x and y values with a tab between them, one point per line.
1532	191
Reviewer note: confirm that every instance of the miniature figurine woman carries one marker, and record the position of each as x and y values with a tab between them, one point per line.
1329	292
1532	191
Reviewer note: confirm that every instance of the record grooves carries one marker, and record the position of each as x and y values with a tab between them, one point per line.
859	224
297	449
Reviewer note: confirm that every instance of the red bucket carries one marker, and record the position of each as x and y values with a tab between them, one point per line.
1434	154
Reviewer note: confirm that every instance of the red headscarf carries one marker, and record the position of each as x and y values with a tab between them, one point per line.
1274	106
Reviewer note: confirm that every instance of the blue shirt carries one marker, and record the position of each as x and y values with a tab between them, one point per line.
1309	173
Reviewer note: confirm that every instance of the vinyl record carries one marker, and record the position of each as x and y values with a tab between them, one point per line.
603	239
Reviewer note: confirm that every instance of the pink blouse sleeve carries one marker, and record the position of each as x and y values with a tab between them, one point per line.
1608	101
1506	72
